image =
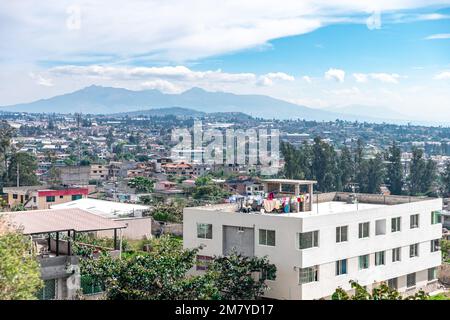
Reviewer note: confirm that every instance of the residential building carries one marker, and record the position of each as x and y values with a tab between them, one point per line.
40	197
52	233
326	239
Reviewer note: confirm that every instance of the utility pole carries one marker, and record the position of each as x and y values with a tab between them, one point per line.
18	173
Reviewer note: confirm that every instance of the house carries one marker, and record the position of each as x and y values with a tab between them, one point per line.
40	197
319	242
179	169
139	226
53	233
99	172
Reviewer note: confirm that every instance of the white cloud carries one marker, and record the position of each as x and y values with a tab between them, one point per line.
175	30
360	77
40	80
444	75
335	74
269	78
381	76
438	36
385	77
171	78
161	85
307	79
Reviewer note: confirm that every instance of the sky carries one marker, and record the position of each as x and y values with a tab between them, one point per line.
383	54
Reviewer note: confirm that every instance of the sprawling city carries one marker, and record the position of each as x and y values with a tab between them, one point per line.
293	151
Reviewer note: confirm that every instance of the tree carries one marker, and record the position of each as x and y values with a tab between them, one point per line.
417	172
347	168
381	292
429	177
141	184
162	274
27	169
168	212
6	133
375	175
395	170
19	270
446	179
234	276
323	165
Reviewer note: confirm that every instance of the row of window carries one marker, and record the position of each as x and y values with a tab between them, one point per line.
53	198
311	239
311	274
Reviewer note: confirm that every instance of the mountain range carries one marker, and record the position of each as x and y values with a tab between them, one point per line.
108	100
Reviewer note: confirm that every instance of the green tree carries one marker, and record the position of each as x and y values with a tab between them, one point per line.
375	175
417	172
395	170
162	274
27	169
347	168
19	270
381	292
6	133
234	276
141	184
324	165
446	179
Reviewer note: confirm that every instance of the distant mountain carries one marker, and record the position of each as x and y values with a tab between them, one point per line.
107	100
373	112
161	112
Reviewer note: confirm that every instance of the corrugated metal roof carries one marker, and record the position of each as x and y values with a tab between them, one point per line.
43	221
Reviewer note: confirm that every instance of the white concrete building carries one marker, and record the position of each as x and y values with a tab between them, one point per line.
335	240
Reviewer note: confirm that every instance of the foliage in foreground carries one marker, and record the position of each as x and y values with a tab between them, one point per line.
20	276
382	292
162	274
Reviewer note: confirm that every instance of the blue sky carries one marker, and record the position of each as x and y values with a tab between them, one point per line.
393	54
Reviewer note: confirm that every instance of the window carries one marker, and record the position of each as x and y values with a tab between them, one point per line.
364	262
204	230
379	258
364	229
308	239
76	197
61	197
268	275
48	292
50	199
396	254
90	286
414	221
435	245
392	283
203	262
432	274
341	234
436	217
395	224
15	196
380	227
410	280
341	267
414	250
267	237
27	197
307	275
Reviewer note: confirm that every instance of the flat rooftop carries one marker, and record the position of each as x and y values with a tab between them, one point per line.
329	203
324	208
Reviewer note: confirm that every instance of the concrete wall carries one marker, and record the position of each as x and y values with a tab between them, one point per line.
137	228
289	259
66	271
